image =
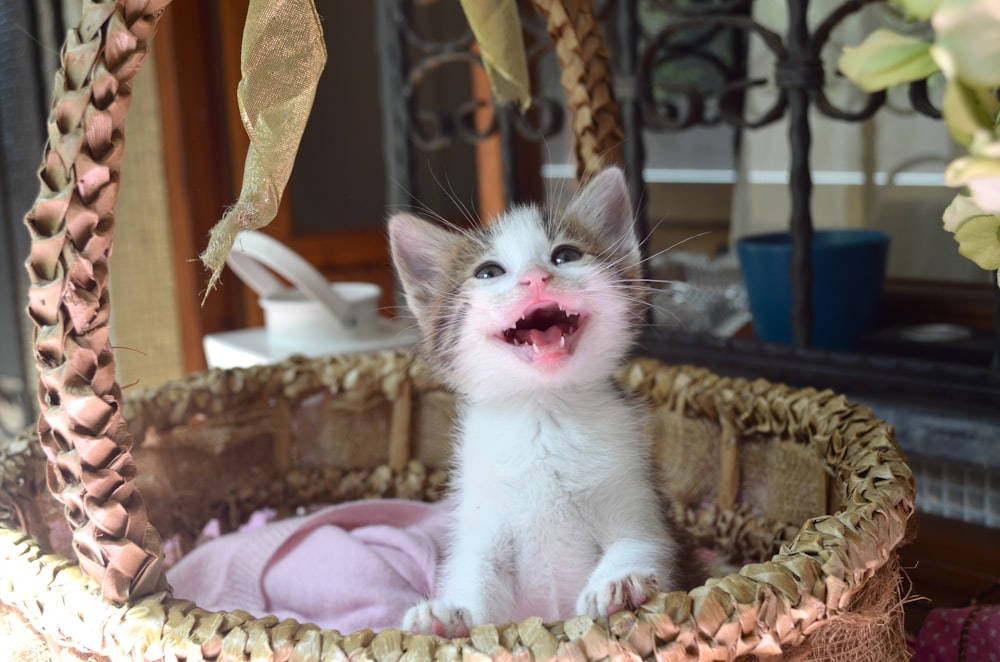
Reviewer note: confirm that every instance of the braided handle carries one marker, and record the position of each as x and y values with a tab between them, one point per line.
87	445
586	79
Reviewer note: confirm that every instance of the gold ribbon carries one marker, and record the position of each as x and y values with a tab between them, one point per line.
282	58
497	28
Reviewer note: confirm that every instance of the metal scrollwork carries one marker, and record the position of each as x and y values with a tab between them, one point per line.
433	129
422	69
920	100
798	77
673	105
820	38
545	120
728	95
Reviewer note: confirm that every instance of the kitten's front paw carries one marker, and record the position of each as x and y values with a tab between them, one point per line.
626	593
435	617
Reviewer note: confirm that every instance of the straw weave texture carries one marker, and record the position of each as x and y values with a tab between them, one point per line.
257	433
586	81
71	224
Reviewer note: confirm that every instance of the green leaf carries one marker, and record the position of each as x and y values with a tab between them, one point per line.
918	10
963	113
885	59
979	240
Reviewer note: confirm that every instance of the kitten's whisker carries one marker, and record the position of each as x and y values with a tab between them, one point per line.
453	197
669	288
658	281
559	189
410	194
394	311
665	311
678	243
645	241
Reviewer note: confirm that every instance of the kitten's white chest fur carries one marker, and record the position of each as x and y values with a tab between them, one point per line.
555	511
545	484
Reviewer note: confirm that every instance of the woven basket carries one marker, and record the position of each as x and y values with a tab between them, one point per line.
746	463
742	461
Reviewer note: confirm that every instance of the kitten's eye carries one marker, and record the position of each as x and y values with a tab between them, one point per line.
489	270
564	254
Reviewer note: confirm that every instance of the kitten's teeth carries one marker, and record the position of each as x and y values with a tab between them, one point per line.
562	342
535	348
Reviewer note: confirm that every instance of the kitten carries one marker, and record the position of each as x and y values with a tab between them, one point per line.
555	510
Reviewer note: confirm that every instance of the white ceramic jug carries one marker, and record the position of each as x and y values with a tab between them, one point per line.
312	317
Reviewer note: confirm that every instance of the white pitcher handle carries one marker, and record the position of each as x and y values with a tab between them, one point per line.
256	255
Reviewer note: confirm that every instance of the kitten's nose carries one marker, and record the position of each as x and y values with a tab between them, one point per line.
535	277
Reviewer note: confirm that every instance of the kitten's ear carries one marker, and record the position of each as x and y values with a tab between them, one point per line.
418	247
604	205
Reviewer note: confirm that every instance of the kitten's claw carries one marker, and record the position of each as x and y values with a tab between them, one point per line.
628	592
435	617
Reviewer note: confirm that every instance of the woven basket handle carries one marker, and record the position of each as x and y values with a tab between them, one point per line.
586	79
87	444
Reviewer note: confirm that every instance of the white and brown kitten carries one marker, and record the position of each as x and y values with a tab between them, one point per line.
555	509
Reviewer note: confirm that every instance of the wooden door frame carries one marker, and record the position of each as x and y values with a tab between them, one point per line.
196	161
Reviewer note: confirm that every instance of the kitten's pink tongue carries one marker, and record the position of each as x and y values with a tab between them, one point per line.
550	336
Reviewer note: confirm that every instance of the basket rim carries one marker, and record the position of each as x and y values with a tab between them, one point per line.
810	580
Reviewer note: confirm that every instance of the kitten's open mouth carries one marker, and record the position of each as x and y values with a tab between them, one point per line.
544	328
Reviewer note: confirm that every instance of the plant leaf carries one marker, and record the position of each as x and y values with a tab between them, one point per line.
979	240
918	10
886	58
963	113
961	209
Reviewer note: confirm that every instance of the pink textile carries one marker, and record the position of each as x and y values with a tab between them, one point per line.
346	567
955	635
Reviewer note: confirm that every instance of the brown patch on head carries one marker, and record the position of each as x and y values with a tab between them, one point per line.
616	254
599	217
439	334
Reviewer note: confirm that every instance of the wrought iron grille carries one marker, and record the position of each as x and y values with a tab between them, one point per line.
690	30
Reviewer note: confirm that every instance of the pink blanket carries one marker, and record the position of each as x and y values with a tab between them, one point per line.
347	567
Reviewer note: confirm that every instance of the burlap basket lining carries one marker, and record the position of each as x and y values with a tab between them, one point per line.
119	466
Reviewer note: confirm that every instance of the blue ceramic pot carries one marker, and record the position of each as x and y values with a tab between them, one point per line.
848	270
